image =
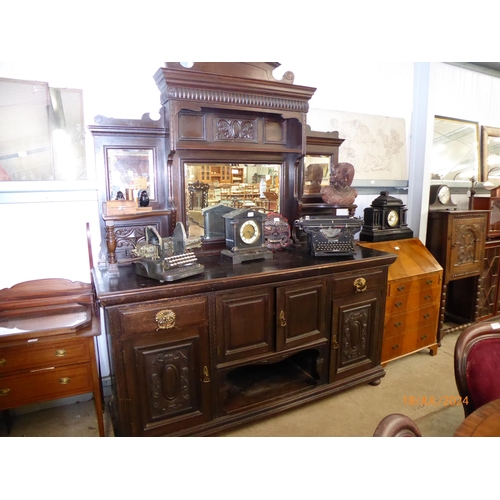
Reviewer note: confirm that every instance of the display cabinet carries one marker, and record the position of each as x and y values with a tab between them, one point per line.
456	238
414	299
240	342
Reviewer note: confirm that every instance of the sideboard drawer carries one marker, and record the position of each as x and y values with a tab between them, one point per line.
32	356
162	315
39	385
359	282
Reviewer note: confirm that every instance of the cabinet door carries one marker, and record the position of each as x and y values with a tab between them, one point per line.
300	314
467	237
488	292
244	323
165	366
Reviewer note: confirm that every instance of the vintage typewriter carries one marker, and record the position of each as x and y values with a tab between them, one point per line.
167	259
330	236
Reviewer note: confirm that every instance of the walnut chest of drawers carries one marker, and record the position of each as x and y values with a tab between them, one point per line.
414	299
47	351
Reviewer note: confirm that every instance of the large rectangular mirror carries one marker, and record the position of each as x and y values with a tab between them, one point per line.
490	154
455	153
233	185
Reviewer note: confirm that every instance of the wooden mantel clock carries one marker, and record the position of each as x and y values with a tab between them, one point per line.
385	220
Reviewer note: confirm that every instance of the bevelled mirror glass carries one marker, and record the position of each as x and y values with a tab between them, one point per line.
455	151
232	185
490	154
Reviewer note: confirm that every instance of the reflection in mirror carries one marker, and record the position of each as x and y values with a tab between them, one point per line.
230	185
130	171
316	173
490	154
455	154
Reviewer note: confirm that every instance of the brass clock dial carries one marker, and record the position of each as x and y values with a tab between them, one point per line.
249	232
393	218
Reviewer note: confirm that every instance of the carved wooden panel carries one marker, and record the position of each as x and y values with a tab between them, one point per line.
168	376
488	293
354	346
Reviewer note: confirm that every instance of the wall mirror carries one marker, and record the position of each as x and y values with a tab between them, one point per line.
490	154
455	152
316	174
130	170
233	185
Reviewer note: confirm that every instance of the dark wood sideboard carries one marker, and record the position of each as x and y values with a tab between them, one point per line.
240	342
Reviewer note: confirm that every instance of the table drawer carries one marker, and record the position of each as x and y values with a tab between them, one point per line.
358	282
419	318
162	315
35	386
414	300
44	355
421	285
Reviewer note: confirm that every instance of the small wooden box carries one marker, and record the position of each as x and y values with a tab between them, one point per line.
120	207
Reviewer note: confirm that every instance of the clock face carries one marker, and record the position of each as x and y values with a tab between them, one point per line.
393	218
443	195
249	232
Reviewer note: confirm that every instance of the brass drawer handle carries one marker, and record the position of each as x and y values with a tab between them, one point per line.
398	324
423	337
428	297
2	361
429	282
427	316
4	392
60	353
206	377
398	304
282	318
401	288
165	319
360	285
64	380
395	346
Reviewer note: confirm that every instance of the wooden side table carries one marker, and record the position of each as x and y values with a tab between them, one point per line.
484	422
47	349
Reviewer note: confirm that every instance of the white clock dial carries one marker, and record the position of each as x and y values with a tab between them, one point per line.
393	218
249	232
444	195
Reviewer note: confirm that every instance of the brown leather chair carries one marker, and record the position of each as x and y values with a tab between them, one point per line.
397	425
477	365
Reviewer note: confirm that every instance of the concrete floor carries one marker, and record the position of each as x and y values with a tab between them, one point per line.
353	413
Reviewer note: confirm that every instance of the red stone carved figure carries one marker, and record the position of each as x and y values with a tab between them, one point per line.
340	192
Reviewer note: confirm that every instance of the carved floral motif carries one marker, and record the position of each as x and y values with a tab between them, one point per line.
235	129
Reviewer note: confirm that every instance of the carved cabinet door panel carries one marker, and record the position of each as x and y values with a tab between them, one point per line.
356	335
467	237
300	314
168	381
244	323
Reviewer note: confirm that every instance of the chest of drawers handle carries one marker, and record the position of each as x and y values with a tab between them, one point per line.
428	297
165	319
429	282
64	380
61	353
401	288
360	285
398	324
2	361
4	392
395	346
427	316
398	304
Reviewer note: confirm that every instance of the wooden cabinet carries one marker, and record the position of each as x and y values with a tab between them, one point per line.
456	238
47	344
414	299
240	342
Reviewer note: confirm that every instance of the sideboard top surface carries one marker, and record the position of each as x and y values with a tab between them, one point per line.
219	275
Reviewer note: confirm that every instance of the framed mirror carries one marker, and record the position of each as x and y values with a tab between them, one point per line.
490	154
455	152
130	170
316	174
233	185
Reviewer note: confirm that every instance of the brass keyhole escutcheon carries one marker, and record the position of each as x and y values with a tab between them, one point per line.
165	319
206	376
360	285
282	318
60	353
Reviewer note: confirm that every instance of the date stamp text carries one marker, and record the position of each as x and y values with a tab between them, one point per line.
422	401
